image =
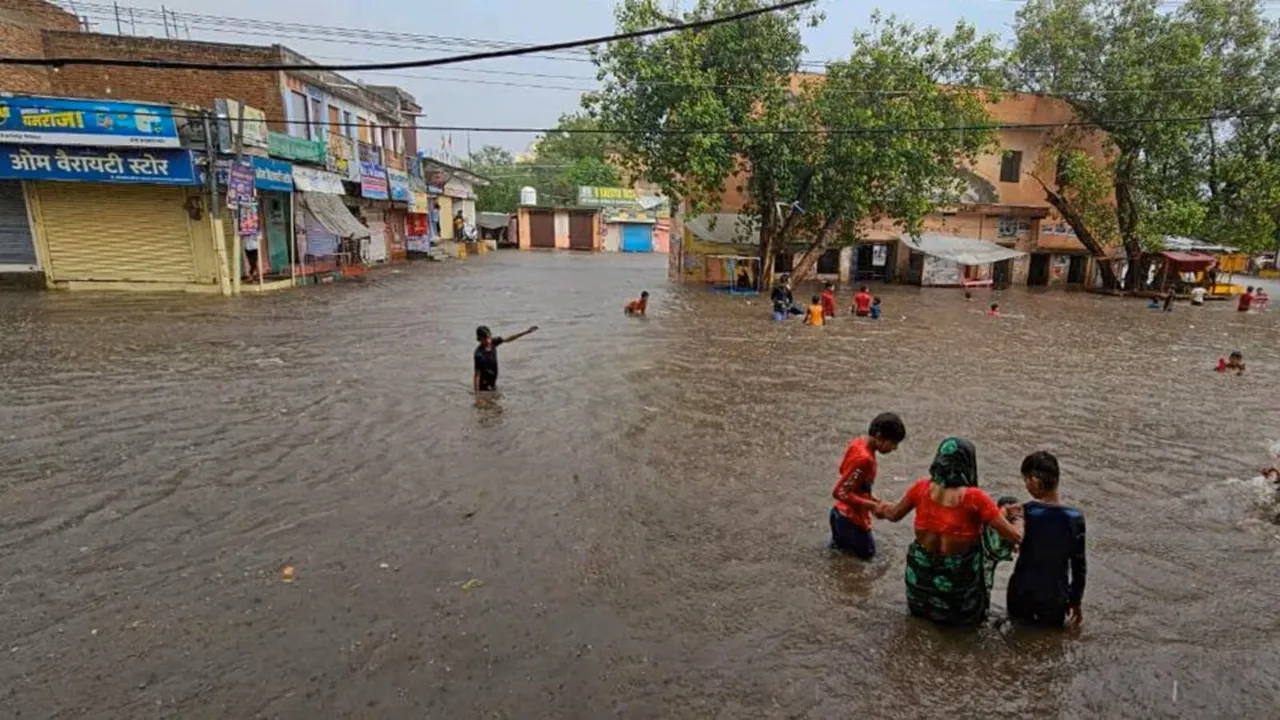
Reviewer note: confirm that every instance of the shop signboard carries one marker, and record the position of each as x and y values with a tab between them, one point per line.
312	180
240	182
341	158
272	175
295	148
255	125
154	167
64	121
399	186
607	197
250	221
624	203
373	181
418	203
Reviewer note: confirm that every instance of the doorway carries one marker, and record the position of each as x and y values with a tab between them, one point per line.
277	231
1002	274
1038	274
582	231
542	230
1075	271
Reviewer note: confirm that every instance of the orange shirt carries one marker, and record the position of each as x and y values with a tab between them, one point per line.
963	521
857	475
815	315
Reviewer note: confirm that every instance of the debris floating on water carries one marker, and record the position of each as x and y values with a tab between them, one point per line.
472	584
287	574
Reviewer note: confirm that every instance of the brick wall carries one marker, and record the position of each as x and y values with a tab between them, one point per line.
258	89
37	14
23	42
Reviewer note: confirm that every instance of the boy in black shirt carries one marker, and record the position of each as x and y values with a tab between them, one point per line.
486	373
1040	592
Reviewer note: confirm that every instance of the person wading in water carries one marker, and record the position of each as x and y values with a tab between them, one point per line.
946	576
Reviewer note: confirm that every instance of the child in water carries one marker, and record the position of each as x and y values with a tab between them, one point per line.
994	310
638	307
486	370
816	314
1047	586
829	300
1234	361
875	309
854	502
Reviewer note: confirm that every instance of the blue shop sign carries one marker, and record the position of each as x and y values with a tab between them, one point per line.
64	121
121	165
399	182
272	175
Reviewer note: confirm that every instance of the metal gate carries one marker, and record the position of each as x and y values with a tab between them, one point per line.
637	238
542	230
16	247
582	231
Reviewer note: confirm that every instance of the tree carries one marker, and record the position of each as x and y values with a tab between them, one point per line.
575	154
695	108
881	155
1149	80
502	194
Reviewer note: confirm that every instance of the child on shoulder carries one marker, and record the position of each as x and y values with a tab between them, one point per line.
1047	586
854	502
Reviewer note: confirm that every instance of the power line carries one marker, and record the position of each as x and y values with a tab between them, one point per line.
486	55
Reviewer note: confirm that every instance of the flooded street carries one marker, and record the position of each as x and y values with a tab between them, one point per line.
636	526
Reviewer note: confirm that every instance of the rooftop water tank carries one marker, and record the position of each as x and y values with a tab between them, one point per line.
528	196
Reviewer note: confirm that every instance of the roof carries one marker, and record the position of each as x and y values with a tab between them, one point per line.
725	228
454	169
1186	244
1188	261
962	250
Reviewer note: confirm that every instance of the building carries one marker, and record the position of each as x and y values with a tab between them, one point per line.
1003	205
451	194
328	182
634	222
542	227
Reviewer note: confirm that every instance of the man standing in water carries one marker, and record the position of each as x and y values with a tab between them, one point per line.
854	501
486	372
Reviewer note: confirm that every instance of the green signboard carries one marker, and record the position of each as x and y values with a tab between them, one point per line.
295	148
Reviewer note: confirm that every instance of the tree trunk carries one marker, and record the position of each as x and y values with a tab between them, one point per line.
768	209
814	251
1085	235
1127	221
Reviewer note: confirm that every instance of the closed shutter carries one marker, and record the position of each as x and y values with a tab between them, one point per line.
116	232
16	247
377	242
446	217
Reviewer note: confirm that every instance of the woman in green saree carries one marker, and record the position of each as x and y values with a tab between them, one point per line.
950	566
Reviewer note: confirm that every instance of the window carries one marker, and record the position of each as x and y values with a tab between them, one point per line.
377	136
1011	166
782	262
334	127
366	133
1007	227
348	126
829	263
317	119
298	114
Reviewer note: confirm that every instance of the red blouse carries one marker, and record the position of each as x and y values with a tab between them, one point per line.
964	521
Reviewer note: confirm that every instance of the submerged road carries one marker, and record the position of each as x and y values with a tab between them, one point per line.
635	527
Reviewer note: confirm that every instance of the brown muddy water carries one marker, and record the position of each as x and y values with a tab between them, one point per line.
644	505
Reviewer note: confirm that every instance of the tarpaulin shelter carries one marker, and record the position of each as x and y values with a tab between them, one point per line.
960	250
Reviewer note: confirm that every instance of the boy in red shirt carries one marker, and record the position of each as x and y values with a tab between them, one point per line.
862	302
828	301
854	502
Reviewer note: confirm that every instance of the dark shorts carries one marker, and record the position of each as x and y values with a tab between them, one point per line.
488	383
1032	612
850	538
862	313
253	258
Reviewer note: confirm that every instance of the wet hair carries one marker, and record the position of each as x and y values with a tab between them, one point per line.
828	286
888	426
866	289
483	332
875	301
1235	354
1249	289
968	295
995	306
816	299
644	293
1043	466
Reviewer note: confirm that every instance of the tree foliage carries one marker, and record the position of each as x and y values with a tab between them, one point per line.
1152	80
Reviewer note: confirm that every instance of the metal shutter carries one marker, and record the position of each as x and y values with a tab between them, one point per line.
16	247
116	232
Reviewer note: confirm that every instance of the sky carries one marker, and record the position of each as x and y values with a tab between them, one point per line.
495	93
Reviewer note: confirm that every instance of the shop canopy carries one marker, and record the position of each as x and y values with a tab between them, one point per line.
964	251
1187	261
333	215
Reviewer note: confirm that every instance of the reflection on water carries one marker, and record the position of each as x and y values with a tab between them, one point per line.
645	502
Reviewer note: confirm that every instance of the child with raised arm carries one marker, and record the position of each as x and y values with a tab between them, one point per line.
854	501
1047	586
485	378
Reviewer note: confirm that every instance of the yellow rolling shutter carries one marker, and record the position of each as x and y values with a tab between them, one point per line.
446	217
116	232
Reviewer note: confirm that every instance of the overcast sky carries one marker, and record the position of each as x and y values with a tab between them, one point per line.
492	93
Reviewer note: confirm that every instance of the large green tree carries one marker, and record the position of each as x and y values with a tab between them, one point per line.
1149	79
691	109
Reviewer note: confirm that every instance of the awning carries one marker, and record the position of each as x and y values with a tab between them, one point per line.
965	251
316	181
1188	261
331	213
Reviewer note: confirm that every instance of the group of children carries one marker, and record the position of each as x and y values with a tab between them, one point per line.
823	306
1047	586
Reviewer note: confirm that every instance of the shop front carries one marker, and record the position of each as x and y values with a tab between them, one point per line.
397	214
418	224
375	194
18	261
274	182
329	238
123	216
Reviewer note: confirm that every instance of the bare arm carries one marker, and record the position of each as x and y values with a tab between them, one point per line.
899	511
519	335
475	382
1007	529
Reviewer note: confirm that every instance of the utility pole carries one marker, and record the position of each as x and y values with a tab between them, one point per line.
119	30
133	23
164	16
215	210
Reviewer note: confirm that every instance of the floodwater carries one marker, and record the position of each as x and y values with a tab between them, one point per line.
635	527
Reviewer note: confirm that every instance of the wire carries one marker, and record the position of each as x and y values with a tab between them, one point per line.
486	55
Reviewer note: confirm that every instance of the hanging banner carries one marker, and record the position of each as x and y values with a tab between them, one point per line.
63	121
318	181
272	175
373	181
250	222
255	125
295	148
240	182
879	255
418	203
399	185
341	158
158	167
